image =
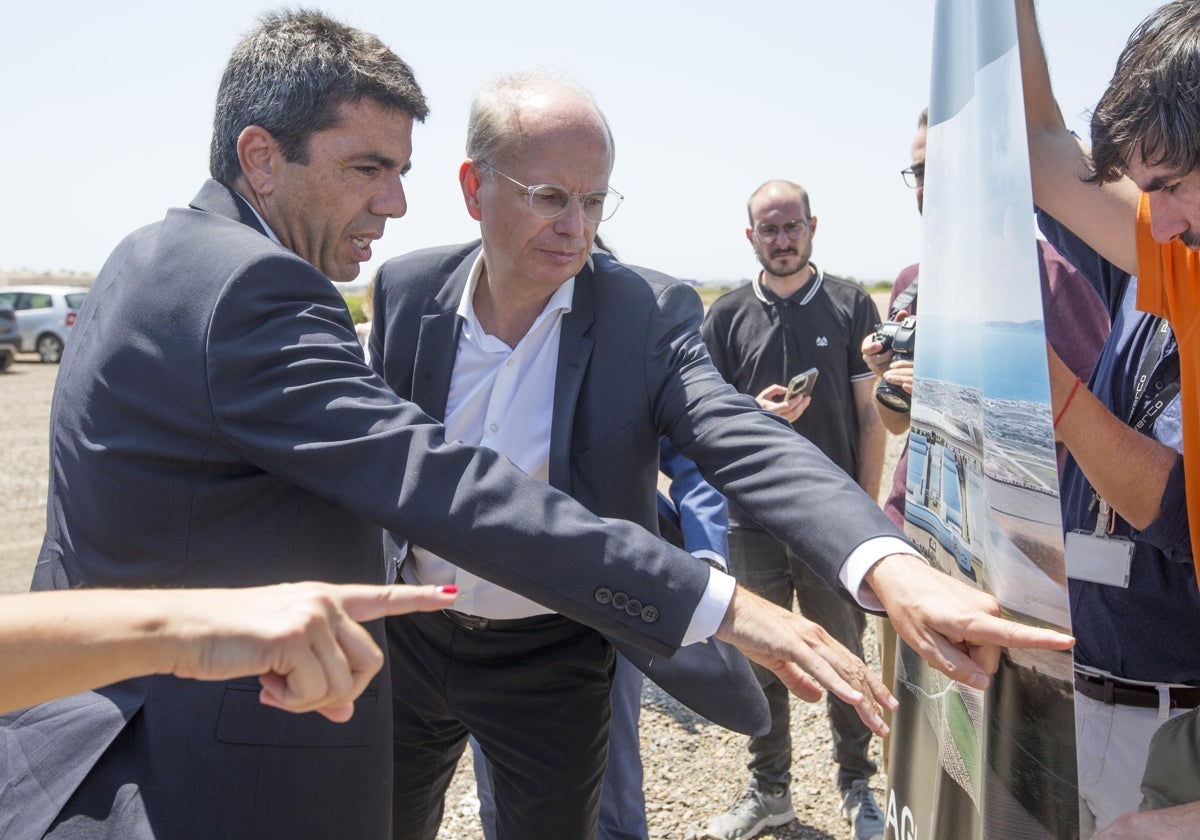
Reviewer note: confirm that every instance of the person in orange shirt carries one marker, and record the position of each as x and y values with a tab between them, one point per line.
1134	197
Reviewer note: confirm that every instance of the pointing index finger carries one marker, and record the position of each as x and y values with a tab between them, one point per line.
363	602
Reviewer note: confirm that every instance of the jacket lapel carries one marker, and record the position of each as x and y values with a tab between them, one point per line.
437	344
574	352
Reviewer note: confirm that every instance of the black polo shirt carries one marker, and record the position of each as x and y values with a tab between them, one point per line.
758	339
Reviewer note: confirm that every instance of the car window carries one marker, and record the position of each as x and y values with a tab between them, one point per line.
34	300
75	300
8	298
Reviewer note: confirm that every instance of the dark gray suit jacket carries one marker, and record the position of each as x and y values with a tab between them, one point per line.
214	425
633	369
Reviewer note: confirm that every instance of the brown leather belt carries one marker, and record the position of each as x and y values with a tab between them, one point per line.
478	622
1131	694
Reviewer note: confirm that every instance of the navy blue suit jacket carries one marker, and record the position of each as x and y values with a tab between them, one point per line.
214	424
632	370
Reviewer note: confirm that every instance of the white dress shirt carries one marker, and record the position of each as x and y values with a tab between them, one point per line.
493	383
502	397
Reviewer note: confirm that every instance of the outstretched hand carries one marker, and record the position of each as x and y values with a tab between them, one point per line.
302	640
955	628
804	656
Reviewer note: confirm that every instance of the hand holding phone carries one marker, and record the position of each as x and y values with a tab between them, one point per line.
801	384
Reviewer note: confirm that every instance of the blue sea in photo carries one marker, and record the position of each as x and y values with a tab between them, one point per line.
1004	360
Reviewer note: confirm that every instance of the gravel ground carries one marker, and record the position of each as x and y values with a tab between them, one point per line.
25	396
693	769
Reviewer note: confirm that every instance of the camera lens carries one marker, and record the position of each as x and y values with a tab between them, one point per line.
893	397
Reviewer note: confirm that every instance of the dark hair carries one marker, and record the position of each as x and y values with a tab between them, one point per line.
292	73
1152	104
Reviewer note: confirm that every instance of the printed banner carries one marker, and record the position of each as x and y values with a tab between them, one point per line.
982	483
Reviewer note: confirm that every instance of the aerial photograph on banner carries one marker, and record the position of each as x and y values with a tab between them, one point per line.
982	481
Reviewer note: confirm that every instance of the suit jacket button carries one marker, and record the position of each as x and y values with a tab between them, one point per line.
634	607
649	613
604	595
619	600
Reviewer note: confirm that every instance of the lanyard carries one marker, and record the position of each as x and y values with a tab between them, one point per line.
905	299
1165	391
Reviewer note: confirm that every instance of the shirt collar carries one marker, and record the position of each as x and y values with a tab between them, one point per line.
770	298
560	301
270	233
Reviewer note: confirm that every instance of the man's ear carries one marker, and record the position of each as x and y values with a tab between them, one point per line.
259	156
812	226
750	236
469	180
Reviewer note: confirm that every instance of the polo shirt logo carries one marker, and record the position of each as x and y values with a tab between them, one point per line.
822	341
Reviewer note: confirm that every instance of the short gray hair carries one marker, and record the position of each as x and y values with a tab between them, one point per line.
494	125
291	75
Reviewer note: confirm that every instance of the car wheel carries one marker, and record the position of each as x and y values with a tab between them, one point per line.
49	347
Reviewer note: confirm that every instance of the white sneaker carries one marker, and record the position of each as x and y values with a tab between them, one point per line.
751	812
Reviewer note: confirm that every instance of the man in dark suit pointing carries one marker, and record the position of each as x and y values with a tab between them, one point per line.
573	365
214	424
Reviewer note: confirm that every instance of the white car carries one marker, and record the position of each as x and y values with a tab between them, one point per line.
45	315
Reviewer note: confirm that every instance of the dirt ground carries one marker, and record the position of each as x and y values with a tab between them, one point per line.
25	392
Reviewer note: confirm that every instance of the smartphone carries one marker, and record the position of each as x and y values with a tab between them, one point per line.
802	383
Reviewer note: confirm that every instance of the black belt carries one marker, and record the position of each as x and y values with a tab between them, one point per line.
1130	694
478	622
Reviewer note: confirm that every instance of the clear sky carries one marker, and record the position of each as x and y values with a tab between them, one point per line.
107	112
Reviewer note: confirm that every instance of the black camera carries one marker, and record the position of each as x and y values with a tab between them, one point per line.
900	338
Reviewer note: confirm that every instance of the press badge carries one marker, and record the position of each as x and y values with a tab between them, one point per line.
1098	557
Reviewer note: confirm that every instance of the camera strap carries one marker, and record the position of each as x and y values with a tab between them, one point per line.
905	299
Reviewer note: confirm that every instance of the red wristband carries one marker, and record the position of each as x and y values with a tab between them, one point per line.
1067	404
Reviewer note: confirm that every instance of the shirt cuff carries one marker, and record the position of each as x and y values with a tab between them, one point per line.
712	558
714	603
862	560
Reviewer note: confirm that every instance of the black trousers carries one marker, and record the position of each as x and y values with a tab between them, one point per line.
535	697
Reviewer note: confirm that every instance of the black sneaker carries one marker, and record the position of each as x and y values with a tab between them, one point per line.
862	811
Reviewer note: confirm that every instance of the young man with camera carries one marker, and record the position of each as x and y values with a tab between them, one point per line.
790	324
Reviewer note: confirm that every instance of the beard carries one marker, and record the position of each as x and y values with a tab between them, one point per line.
1191	239
768	261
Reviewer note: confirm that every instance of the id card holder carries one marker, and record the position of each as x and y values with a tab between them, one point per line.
1099	559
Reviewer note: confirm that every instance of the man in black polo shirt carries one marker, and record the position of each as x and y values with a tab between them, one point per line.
793	317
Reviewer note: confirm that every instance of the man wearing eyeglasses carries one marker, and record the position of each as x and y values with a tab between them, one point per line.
575	366
791	318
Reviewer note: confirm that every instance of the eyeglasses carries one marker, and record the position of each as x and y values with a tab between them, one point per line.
914	176
550	200
793	230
